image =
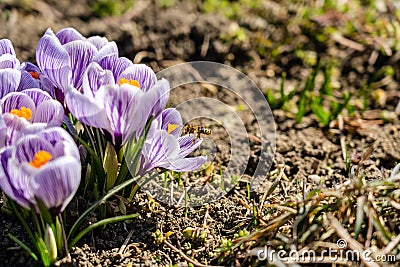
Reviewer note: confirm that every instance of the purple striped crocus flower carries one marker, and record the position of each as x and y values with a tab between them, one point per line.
64	57
44	165
166	148
35	105
118	98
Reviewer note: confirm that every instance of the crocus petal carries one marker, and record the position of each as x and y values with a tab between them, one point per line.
107	51
67	35
121	104
141	73
29	146
187	145
80	55
3	131
38	96
9	61
28	66
97	41
185	164
86	109
14	122
116	64
56	135
53	60
51	112
27	81
64	148
9	81
13	180
56	183
171	116
164	148
6	47
94	77
17	100
157	97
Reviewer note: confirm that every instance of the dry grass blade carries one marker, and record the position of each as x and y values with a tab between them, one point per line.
392	245
351	243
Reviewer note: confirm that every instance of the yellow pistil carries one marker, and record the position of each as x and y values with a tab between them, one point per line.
171	127
40	158
130	81
24	112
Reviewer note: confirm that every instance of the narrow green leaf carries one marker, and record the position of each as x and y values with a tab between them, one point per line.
59	234
110	165
22	245
102	223
22	220
102	200
320	112
44	253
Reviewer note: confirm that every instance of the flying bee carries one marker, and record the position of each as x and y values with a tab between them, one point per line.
196	130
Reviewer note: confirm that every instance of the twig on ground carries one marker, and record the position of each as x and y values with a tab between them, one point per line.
183	255
122	248
391	246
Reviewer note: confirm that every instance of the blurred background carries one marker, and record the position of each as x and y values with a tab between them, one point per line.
354	43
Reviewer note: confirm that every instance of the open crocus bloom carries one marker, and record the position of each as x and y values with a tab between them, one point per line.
165	148
44	165
63	57
35	105
120	102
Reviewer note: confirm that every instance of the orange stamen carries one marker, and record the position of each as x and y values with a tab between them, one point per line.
40	158
24	112
34	74
130	81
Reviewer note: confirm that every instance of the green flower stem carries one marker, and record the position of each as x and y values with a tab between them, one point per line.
64	235
101	223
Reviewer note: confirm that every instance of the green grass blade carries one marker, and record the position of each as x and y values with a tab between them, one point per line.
102	223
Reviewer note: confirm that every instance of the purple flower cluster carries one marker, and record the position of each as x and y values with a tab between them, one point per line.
87	78
38	158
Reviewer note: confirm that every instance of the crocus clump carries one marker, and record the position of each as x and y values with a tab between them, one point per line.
81	80
101	89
